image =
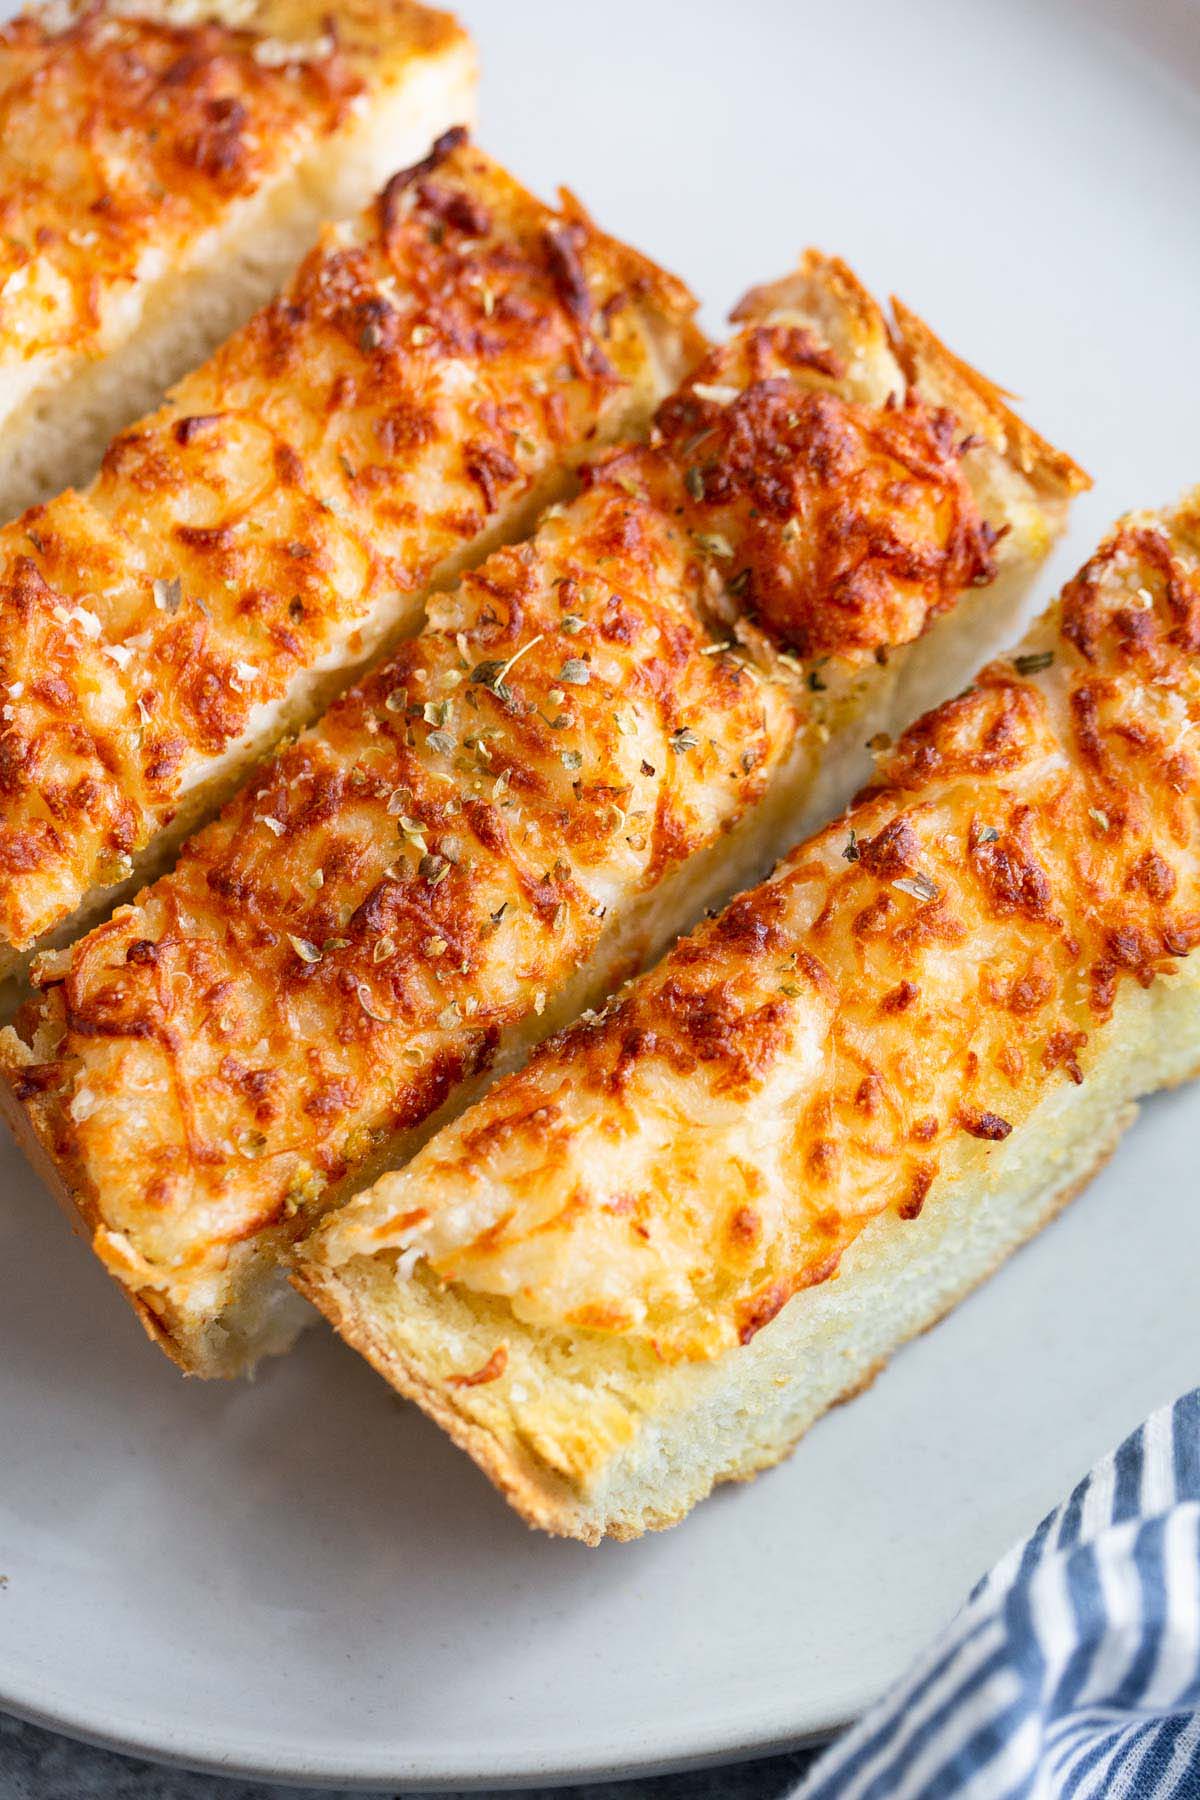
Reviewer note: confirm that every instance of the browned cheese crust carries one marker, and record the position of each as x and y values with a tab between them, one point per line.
424	372
847	1040
843	526
438	859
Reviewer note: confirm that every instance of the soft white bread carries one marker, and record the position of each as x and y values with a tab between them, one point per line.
163	164
598	734
425	382
647	1263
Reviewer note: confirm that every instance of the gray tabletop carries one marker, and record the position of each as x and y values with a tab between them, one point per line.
41	1765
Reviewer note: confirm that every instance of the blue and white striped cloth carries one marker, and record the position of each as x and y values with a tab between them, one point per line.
1073	1671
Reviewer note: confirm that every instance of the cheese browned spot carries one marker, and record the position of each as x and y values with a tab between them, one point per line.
859	1070
855	523
598	734
416	390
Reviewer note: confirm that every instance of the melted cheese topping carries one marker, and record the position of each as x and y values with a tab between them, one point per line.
363	925
853	519
424	372
128	131
907	984
351	937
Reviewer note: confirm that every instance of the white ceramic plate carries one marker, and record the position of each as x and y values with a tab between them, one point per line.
301	1578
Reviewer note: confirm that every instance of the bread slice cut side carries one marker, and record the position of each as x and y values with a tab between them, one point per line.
648	1262
599	734
130	253
426	381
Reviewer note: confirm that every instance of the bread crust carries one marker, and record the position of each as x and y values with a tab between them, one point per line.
530	1489
74	1203
927	1007
983	405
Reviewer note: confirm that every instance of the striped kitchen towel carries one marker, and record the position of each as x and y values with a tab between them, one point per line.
1073	1671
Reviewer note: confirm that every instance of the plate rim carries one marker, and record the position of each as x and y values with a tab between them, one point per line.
595	1764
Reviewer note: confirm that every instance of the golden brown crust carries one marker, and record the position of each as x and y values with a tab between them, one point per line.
423	374
983	406
825	287
126	132
529	1487
894	1000
79	1208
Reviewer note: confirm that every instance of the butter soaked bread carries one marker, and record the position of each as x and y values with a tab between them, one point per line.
599	733
652	1259
427	379
162	167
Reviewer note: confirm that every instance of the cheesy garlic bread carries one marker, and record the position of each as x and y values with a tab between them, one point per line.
599	733
651	1260
163	164
424	383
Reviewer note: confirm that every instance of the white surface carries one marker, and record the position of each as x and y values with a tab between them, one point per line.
301	1577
